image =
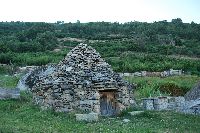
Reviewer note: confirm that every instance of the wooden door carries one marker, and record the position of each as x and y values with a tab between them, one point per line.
107	103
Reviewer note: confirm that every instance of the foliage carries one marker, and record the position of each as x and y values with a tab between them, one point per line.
156	86
157	36
4	69
32	58
8	81
27	37
128	47
132	62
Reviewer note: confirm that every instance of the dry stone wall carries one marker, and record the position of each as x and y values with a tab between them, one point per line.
166	73
76	83
178	104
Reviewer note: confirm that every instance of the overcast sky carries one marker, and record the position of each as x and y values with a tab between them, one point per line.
99	10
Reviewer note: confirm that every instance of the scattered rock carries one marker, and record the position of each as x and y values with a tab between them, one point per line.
126	120
87	117
136	112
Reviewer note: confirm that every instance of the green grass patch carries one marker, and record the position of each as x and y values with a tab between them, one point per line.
156	86
22	116
4	69
7	81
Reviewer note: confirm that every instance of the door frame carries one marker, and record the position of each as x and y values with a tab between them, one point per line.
110	102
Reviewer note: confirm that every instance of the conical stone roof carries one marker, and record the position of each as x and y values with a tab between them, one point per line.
79	77
84	65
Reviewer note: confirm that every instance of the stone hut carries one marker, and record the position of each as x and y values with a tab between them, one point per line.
82	81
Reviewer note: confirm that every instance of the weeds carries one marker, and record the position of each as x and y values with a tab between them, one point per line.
7	81
156	86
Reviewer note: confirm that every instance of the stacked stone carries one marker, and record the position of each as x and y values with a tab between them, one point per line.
76	81
31	77
172	103
9	93
194	93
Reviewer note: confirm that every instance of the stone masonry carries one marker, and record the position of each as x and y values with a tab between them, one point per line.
9	93
79	82
178	104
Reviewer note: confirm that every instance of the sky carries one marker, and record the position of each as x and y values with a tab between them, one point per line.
99	10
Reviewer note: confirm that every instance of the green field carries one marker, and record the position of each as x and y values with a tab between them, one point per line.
20	116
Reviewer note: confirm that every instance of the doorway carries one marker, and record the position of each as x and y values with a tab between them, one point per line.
108	103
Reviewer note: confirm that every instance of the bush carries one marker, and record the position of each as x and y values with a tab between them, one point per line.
173	89
156	86
5	70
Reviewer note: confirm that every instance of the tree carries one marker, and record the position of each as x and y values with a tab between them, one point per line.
177	21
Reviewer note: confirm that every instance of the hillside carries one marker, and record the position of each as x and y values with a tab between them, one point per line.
128	47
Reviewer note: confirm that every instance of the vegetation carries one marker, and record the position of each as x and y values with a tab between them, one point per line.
8	81
5	69
131	62
22	116
37	58
156	86
31	37
128	47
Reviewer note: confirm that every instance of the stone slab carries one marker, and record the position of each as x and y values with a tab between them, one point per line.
136	112
9	93
87	117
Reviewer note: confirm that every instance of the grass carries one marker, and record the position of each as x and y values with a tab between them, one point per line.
156	86
22	116
7	81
